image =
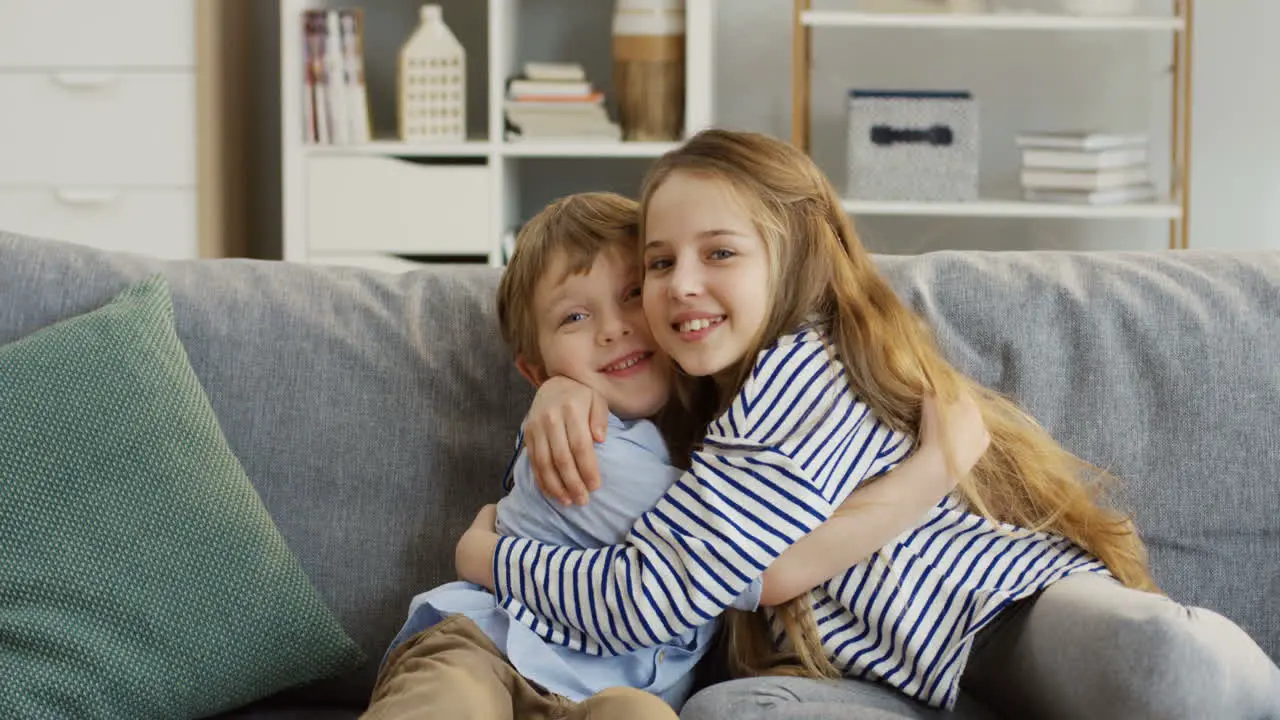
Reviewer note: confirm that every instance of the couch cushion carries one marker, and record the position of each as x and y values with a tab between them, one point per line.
374	413
1159	366
142	576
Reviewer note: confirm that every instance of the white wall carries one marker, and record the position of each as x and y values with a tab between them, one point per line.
1236	120
1022	80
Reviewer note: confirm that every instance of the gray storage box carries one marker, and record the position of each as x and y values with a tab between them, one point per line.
912	145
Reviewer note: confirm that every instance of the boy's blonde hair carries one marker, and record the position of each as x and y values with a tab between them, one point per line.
576	227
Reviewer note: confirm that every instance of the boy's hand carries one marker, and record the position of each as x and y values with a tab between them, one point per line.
565	422
473	557
965	436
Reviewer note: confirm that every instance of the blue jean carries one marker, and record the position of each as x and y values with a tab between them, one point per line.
1086	647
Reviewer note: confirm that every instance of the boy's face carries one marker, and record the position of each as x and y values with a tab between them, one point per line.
591	328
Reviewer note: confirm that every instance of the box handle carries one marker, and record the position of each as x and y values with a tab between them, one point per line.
934	135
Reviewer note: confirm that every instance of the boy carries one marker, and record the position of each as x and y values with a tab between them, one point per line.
568	304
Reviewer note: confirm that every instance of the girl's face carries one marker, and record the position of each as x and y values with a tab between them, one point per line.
706	279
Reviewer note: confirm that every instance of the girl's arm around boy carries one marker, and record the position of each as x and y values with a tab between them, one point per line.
741	506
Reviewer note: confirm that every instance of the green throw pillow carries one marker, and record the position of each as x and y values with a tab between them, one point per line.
140	574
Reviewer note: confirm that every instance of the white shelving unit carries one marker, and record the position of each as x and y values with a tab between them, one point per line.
1173	209
323	202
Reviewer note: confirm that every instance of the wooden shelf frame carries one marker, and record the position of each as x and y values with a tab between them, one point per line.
1181	25
988	21
1011	208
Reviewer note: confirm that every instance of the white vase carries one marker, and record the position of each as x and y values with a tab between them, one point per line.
432	83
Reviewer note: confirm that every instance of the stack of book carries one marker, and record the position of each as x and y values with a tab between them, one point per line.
335	100
1090	168
555	101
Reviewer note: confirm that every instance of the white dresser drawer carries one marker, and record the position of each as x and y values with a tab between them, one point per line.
155	222
88	128
377	204
101	34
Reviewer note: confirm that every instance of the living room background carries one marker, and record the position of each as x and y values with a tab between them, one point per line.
1020	78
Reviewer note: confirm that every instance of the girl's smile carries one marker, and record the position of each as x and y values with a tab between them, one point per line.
695	326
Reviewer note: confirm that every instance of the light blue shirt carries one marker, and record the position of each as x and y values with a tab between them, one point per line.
636	471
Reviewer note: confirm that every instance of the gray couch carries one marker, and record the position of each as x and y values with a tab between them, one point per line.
375	412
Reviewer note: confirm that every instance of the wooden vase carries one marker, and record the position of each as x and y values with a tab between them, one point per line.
649	69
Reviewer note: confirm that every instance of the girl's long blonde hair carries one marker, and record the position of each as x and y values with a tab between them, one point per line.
820	268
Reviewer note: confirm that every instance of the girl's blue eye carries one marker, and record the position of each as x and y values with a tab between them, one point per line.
573	318
722	254
658	264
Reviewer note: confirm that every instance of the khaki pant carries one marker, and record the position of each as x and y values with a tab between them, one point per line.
452	670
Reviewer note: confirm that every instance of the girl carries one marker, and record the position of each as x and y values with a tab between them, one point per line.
807	373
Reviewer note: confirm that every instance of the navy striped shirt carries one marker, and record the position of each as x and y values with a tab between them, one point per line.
792	446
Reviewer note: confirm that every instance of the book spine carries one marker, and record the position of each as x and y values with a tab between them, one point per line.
335	76
356	89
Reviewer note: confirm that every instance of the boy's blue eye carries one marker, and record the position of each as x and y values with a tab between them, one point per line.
633	293
722	254
658	264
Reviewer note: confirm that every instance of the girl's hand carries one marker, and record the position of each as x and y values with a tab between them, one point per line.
473	558
565	422
965	436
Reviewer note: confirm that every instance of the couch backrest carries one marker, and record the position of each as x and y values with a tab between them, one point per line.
1160	367
375	412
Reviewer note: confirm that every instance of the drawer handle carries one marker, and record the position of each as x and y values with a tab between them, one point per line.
86	196
85	81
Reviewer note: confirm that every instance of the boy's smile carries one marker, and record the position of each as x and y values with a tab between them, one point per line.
591	328
630	364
